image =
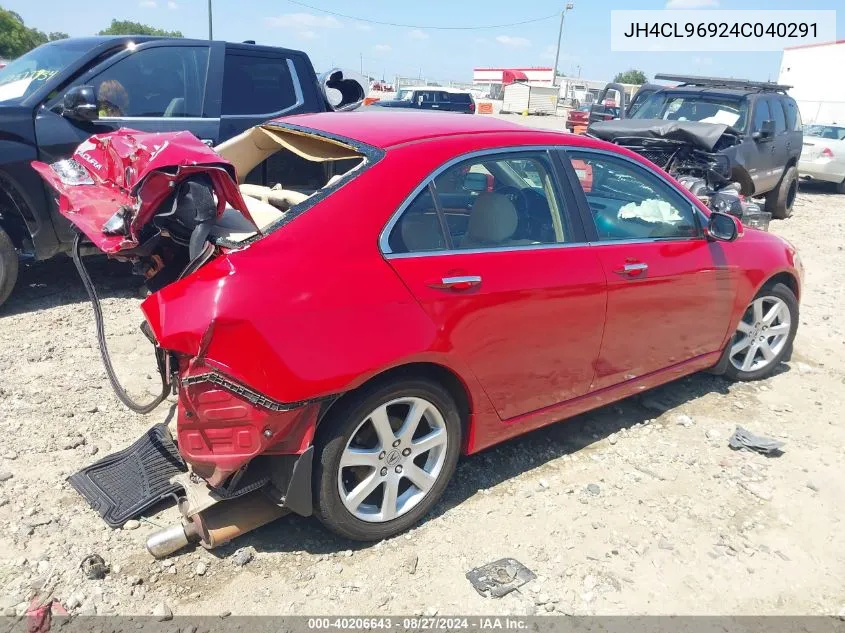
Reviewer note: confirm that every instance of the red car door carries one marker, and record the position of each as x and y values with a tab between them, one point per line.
670	291
512	287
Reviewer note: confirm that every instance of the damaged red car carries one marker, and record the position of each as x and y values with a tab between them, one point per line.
345	303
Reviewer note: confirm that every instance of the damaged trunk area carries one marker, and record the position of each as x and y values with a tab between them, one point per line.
172	207
169	204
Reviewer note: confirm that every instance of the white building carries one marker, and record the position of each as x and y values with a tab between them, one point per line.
815	73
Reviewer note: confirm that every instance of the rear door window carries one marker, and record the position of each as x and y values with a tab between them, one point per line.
459	97
502	201
776	108
761	114
793	117
257	84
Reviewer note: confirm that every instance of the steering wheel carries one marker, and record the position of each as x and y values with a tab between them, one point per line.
534	214
517	198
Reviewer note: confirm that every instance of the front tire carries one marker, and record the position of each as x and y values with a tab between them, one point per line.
840	187
384	458
8	266
779	201
765	334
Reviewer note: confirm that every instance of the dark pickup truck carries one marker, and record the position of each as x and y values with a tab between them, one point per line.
59	94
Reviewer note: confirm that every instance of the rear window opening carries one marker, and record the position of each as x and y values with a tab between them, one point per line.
280	169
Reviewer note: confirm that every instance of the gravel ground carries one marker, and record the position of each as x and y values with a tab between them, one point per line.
639	507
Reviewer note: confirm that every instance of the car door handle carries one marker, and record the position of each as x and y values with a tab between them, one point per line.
459	282
632	270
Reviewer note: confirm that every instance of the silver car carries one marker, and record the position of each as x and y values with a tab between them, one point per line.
823	156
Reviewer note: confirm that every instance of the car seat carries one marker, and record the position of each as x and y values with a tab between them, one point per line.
492	222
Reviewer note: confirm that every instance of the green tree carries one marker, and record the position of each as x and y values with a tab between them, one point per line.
631	76
15	37
57	35
127	27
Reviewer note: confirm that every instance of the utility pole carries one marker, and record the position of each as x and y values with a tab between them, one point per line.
568	7
362	62
210	30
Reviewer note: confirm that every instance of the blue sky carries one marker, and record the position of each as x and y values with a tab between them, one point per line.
437	54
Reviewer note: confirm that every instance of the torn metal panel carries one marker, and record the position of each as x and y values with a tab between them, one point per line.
133	174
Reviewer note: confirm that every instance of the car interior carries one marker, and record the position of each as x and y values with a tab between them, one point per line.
495	203
278	169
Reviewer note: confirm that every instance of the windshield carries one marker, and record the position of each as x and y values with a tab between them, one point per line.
694	107
26	74
834	132
405	95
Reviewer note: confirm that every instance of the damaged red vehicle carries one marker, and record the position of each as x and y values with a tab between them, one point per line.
410	287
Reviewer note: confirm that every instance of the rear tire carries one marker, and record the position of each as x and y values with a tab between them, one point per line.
779	200
387	464
766	333
8	266
840	187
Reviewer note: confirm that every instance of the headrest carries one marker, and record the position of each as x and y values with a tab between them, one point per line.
493	219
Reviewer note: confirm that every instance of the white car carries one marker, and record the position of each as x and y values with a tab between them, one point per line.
823	156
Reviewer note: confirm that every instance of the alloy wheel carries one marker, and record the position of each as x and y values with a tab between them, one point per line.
761	335
392	459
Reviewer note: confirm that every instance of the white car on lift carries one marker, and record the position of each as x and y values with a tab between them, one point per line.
823	155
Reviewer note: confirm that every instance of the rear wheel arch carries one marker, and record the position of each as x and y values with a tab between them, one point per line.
435	372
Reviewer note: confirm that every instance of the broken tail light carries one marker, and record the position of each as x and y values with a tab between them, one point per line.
222	425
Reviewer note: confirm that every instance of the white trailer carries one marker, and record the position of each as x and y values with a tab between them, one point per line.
815	74
522	97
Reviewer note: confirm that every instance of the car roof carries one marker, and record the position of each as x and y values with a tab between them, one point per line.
385	128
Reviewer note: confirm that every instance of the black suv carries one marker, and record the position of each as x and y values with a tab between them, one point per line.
725	130
59	94
431	98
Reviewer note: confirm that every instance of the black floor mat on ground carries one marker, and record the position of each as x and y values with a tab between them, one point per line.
124	484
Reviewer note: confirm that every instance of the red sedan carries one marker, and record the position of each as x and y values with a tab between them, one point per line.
382	293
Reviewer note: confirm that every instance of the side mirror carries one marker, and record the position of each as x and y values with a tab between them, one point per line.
475	181
80	103
723	227
767	130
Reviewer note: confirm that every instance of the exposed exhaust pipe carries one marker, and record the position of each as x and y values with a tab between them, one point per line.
217	525
171	539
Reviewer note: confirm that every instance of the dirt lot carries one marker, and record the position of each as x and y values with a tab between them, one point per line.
636	508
